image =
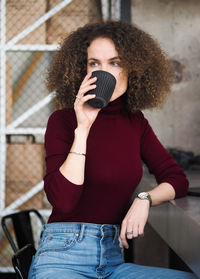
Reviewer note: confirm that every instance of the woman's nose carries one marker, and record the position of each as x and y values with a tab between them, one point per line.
104	68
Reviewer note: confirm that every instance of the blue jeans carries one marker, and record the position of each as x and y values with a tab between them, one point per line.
78	251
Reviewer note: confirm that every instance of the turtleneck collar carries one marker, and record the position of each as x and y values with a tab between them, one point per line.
115	106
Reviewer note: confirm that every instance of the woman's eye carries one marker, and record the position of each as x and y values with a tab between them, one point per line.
115	63
93	64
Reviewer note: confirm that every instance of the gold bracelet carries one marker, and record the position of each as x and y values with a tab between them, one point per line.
78	153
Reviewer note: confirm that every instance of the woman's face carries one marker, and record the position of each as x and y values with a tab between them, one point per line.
102	55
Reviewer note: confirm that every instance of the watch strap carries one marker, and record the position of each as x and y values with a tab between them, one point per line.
145	196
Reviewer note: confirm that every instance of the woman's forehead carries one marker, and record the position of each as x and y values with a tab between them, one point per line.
102	47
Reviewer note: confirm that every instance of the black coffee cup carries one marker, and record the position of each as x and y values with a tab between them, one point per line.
105	86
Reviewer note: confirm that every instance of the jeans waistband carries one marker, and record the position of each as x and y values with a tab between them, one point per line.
82	228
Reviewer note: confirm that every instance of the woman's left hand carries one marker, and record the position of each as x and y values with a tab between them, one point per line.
134	221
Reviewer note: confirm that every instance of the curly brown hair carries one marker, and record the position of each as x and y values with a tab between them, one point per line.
149	74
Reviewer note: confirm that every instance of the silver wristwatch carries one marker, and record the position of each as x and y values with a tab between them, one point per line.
145	196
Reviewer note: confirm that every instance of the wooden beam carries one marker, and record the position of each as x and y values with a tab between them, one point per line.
4	241
23	80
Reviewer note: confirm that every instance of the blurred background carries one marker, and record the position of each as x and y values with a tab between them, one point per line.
30	32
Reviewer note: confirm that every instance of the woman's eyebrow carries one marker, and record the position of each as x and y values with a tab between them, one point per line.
95	59
115	58
112	58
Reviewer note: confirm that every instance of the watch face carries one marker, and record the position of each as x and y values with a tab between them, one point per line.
143	195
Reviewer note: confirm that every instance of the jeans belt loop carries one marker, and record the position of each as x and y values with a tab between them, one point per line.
116	234
82	230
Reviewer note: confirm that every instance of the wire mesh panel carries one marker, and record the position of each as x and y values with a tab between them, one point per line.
20	15
76	14
24	169
32	30
27	87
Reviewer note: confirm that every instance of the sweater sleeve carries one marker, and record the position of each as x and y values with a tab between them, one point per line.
62	194
160	162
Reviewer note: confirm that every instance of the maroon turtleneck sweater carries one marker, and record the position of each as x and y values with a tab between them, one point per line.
117	144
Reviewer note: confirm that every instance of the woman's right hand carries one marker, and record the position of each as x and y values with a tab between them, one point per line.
85	114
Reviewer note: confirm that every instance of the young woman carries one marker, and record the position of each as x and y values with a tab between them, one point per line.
94	156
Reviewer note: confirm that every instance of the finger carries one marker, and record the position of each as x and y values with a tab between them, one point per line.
84	90
129	230
123	236
84	99
141	230
135	230
87	77
88	82
87	97
85	80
